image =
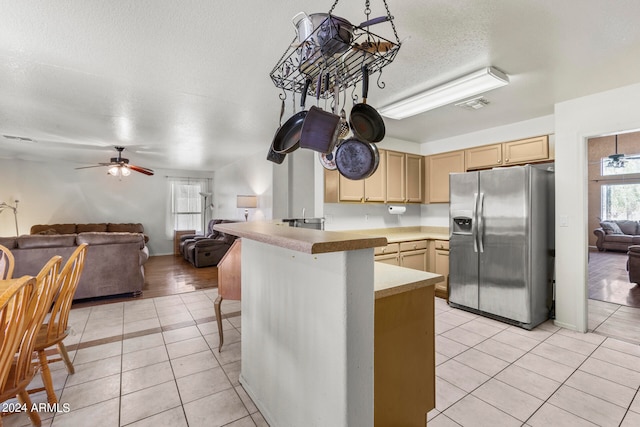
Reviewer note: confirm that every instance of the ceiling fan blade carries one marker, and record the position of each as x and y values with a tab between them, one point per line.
140	169
95	166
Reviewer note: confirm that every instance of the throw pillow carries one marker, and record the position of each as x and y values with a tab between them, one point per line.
610	227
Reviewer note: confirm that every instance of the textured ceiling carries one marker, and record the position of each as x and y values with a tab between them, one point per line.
185	84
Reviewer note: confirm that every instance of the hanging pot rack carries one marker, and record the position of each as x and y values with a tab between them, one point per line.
306	59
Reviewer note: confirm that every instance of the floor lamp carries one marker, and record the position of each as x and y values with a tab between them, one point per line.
4	205
247	202
205	207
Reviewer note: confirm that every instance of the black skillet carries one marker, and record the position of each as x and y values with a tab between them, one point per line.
287	138
366	123
356	159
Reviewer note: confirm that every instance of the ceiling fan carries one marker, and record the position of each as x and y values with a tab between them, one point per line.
119	166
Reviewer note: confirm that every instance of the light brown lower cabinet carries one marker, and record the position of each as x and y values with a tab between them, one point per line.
441	266
404	358
414	254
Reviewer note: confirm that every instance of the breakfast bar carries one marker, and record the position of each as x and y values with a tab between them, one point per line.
312	303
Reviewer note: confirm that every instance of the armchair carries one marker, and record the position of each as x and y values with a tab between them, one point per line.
207	250
633	263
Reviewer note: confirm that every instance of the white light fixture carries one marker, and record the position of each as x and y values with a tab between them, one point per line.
470	85
247	202
119	170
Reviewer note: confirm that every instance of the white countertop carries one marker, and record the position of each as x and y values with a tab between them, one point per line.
391	280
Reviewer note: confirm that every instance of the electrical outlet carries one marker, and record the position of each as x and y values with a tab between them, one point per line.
366	217
563	221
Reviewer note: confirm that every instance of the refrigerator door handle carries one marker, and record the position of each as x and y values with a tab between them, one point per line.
481	222
474	222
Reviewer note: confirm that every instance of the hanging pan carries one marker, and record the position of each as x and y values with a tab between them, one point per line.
366	123
287	138
272	155
356	159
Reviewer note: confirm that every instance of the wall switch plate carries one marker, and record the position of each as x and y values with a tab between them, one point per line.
563	221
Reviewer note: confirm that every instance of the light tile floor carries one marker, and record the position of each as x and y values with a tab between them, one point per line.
154	362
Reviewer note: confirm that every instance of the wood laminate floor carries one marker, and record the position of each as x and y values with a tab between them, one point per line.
609	279
165	275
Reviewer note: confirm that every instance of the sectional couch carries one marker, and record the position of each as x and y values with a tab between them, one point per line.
115	259
617	235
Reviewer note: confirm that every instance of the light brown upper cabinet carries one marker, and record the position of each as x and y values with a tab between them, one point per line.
526	150
414	175
396	177
404	177
507	153
483	157
331	186
371	189
439	166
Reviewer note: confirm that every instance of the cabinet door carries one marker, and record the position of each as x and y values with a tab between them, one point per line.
414	259
440	166
392	259
351	190
414	178
396	177
442	267
483	157
375	187
526	150
331	185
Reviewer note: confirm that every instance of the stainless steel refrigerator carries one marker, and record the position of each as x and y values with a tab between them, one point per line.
501	243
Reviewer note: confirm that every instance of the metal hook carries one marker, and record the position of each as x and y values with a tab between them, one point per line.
283	95
354	97
380	84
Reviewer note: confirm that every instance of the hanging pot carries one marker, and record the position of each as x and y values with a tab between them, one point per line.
320	128
287	138
356	159
366	123
333	34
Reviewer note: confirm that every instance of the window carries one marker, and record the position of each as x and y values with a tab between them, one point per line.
620	201
186	204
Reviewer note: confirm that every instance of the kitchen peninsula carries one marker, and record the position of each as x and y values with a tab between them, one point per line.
308	317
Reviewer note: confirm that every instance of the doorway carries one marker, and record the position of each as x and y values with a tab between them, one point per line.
613	194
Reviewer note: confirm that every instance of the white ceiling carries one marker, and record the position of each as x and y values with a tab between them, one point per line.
185	84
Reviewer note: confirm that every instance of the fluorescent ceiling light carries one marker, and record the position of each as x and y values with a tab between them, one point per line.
470	85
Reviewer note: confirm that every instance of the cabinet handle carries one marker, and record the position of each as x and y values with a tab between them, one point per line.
415	246
366	199
384	249
506	160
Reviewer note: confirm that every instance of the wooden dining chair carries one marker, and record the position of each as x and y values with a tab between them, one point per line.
22	369
7	263
55	330
14	301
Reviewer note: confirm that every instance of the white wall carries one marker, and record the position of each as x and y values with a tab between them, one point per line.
57	193
358	216
576	121
251	175
525	129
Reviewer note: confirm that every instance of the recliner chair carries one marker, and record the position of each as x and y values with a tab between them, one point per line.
208	250
633	263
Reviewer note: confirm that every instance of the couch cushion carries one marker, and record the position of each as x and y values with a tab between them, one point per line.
8	242
59	228
628	227
125	228
97	238
37	241
635	240
619	238
83	228
611	227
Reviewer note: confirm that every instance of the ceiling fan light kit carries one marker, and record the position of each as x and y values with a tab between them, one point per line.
473	84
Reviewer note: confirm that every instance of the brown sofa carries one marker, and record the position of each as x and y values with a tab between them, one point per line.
207	250
114	264
103	227
617	235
